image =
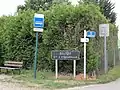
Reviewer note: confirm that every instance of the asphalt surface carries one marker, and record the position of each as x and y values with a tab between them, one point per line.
110	86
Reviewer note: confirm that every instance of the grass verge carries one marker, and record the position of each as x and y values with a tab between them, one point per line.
112	75
47	79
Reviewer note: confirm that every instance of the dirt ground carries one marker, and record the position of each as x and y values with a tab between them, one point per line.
7	83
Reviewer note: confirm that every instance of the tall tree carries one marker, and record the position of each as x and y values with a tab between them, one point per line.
106	7
37	4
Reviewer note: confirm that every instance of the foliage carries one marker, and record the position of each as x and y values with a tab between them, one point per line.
17	38
106	7
64	26
64	30
112	75
92	58
39	4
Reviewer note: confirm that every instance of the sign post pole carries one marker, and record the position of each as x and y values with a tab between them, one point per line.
104	32
84	55
74	68
36	54
56	67
105	52
114	58
38	27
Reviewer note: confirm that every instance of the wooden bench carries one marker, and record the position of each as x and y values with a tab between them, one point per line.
12	65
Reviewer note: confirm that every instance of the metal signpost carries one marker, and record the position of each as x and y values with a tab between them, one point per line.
38	27
84	55
65	55
74	71
104	32
85	40
56	68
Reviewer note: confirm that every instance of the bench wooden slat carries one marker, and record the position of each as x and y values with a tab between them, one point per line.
12	65
13	62
8	68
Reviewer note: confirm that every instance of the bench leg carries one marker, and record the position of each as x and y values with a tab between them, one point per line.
7	71
19	71
0	70
12	71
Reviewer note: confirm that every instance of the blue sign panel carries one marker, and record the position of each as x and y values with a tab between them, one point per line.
38	21
91	33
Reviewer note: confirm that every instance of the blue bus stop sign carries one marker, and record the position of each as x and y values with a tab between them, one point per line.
38	27
91	34
38	21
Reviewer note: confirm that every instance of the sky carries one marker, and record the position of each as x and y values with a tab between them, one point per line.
10	6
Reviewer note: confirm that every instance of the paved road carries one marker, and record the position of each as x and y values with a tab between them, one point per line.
110	86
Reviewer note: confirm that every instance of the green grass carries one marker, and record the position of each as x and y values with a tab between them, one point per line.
112	75
47	79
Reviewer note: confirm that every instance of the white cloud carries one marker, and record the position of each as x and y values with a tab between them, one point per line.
117	6
9	6
74	1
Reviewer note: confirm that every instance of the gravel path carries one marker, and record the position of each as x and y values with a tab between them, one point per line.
6	83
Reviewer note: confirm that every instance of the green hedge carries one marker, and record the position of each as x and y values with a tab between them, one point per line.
64	26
